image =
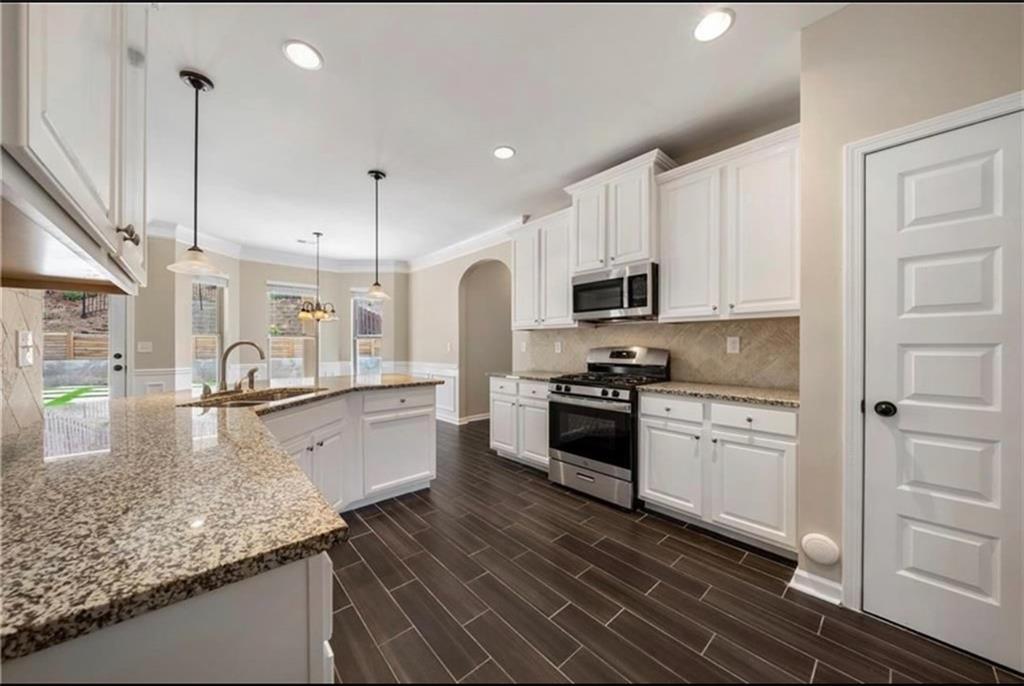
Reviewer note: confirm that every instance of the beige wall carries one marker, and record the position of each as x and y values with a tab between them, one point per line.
434	305
485	332
22	310
865	70
769	354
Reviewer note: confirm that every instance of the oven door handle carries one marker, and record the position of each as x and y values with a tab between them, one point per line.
610	405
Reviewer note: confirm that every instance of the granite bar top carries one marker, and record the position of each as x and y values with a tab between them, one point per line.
115	507
530	375
777	397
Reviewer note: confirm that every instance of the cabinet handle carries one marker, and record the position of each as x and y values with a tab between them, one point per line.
714	308
696	437
319	444
732	306
309	448
130	234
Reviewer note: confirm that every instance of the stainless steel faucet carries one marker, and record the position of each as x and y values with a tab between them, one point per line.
223	372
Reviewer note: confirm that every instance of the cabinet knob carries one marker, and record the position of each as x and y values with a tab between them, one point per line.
732	306
668	409
130	234
319	444
612	259
750	420
309	448
696	437
401	400
714	440
714	308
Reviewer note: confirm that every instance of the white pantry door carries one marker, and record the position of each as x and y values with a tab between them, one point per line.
942	480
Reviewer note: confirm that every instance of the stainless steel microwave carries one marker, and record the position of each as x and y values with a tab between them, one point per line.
629	292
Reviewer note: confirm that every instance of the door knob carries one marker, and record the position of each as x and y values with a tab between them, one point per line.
118	367
885	408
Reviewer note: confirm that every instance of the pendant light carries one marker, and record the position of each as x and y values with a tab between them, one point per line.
316	310
195	262
376	290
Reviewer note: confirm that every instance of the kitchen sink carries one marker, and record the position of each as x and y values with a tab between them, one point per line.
250	398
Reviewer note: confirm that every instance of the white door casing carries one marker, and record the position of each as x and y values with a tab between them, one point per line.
689	212
942	547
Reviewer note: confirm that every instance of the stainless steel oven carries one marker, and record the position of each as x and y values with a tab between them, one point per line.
629	292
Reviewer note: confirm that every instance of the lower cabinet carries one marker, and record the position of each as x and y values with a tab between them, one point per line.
319	455
671	466
519	420
398	449
716	468
753	485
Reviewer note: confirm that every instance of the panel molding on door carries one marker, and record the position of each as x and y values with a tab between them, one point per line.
671	465
589	228
629	217
690	216
942	547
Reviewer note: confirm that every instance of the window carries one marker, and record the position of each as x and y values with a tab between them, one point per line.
291	347
207	329
367	336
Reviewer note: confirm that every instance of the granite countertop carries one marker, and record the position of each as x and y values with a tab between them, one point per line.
114	508
777	397
531	375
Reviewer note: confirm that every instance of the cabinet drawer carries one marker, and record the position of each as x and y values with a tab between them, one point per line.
671	408
538	390
378	401
754	419
500	384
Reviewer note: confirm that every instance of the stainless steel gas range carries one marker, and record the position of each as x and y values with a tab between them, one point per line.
592	421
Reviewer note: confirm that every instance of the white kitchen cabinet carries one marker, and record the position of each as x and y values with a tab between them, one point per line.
730	466
328	462
526	279
763	240
301	450
399	448
614	215
753	485
589	229
504	424
690	209
542	288
671	464
730	233
74	113
533	431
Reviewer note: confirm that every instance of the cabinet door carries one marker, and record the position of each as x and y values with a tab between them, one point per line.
504	424
526	274
629	218
763	242
328	462
753	483
398	449
533	432
556	285
589	227
689	212
133	138
301	450
670	465
69	142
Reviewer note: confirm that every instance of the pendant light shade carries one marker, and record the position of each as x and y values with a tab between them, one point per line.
376	290
314	310
195	262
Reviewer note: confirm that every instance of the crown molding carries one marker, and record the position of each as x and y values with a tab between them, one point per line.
220	246
465	247
655	158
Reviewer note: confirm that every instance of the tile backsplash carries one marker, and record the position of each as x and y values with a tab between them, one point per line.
769	354
22	386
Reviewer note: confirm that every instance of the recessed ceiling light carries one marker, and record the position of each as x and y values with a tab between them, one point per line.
504	152
302	55
714	25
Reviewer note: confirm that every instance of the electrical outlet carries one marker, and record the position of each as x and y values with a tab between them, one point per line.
144	347
25	339
26	352
732	345
448	347
558	347
522	346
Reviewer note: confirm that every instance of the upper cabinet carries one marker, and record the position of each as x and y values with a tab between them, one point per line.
730	233
541	286
74	92
614	218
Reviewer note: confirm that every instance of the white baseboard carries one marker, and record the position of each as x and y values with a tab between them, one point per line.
462	421
817	586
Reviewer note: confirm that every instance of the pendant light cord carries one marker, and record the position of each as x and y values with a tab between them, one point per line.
376	230
195	179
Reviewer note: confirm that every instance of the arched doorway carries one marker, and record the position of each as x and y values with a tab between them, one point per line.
485	333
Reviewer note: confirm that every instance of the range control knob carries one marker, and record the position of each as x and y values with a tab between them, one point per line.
615	394
566	389
558	387
604	392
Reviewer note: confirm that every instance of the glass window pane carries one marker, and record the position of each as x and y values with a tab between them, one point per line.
76	338
207	301
291	344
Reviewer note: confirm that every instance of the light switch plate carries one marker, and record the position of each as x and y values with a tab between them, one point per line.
24	338
26	356
448	347
732	345
144	347
558	347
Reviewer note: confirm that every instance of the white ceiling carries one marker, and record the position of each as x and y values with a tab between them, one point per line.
425	92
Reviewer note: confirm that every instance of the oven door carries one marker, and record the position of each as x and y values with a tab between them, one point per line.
595	434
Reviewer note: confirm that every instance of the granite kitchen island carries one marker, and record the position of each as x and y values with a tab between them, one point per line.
144	538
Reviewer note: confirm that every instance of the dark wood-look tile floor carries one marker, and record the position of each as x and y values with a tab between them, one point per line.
495	575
